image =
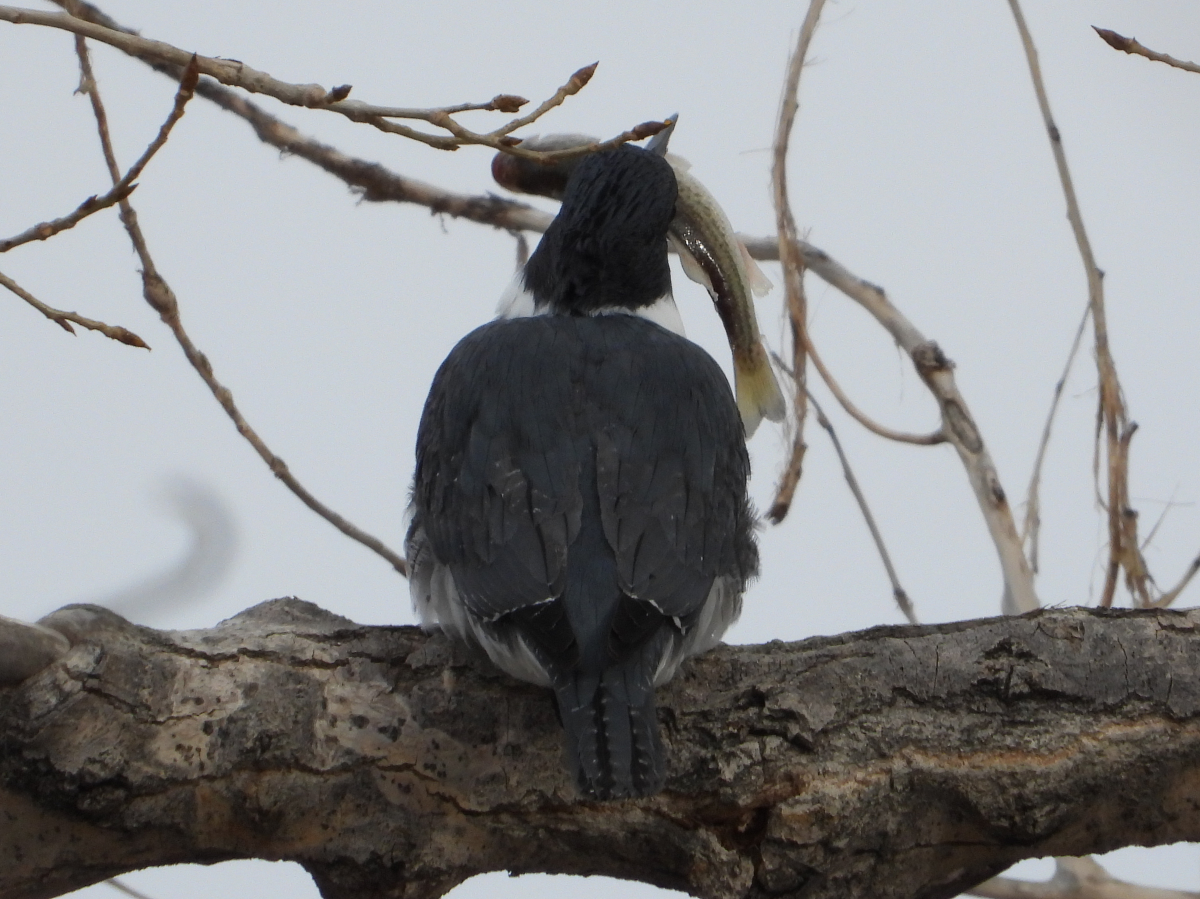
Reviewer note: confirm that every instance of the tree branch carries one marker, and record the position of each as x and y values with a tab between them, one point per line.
897	762
1074	878
314	96
958	425
1111	415
125	185
64	319
1131	45
158	293
793	267
898	592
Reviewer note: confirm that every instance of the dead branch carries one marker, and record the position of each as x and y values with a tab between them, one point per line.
898	591
1171	595
1031	528
162	299
958	426
793	268
1111	414
1131	45
64	319
931	439
46	230
1074	878
898	762
124	186
315	96
125	888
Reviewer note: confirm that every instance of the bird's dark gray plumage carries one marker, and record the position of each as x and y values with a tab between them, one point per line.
579	502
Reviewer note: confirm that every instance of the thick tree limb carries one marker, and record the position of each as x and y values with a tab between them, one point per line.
26	649
894	762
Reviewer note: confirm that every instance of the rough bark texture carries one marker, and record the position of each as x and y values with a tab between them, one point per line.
897	762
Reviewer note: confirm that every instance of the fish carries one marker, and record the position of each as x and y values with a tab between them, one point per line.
709	249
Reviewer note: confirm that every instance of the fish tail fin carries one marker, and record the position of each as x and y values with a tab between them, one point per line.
758	392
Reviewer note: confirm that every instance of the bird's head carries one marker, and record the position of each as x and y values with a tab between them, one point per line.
607	247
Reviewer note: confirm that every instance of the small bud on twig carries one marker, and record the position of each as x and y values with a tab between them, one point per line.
580	79
507	103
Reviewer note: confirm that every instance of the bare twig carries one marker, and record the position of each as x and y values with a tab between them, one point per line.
498	103
91	205
931	439
1111	414
375	182
315	96
574	85
1074	878
793	266
958	426
122	887
1171	595
64	319
1031	529
1131	45
125	186
162	299
898	592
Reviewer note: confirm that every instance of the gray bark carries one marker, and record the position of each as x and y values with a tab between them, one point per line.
896	762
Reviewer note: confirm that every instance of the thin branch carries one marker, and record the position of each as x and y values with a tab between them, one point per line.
498	103
574	85
931	439
162	299
1131	45
122	887
45	230
958	426
125	186
1111	412
315	96
1031	528
1074	878
1162	516
1171	595
898	591
64	319
793	266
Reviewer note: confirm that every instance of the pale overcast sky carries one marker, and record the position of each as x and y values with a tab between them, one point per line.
919	161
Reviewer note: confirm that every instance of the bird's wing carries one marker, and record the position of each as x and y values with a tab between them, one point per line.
671	470
496	486
527	415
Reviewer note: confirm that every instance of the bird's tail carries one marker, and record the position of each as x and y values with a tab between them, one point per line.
612	732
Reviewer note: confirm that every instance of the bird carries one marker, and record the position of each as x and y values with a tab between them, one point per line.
579	507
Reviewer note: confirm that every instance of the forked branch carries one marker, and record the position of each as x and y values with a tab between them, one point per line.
157	292
315	96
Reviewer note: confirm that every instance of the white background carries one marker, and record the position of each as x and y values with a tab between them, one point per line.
919	161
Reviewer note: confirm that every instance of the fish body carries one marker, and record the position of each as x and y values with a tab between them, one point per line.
713	256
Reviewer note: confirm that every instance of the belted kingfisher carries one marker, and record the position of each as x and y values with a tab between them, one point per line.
579	505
